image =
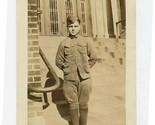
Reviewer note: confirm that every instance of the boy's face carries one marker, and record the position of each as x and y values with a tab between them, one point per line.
74	28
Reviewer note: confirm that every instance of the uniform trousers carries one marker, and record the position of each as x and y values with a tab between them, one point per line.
77	92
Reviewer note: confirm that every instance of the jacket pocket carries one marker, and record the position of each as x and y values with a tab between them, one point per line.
67	50
82	49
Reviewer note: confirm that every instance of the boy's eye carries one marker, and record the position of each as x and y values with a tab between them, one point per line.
71	26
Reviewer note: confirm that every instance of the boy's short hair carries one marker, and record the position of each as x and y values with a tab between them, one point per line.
72	19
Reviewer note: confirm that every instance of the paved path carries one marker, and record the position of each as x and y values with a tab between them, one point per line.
107	102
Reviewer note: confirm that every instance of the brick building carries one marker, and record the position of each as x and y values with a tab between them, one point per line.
102	21
98	17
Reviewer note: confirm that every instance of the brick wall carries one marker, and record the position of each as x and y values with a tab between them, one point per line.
35	111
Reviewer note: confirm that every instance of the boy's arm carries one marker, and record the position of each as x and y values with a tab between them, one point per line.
59	61
92	56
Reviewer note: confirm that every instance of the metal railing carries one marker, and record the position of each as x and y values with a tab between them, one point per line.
119	29
38	89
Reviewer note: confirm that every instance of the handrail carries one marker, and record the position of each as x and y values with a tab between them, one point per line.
117	28
33	88
120	22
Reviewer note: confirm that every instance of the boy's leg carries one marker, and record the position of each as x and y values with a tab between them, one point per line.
85	89
71	94
74	116
83	116
70	122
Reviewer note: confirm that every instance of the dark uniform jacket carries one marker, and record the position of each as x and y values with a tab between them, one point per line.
75	54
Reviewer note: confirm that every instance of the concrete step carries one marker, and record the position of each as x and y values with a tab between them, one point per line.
50	45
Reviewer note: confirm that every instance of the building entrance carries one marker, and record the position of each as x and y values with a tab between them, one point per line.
54	13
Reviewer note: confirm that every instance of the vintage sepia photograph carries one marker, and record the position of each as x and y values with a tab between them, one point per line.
76	62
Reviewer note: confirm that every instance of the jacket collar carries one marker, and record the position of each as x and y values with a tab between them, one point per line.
80	41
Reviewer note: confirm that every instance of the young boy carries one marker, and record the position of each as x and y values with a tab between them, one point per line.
75	57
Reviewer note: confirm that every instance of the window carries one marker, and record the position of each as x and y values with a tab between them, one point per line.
83	18
54	17
53	14
69	7
39	17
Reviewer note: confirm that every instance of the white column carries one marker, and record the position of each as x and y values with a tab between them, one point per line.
106	34
93	14
64	18
74	6
116	13
99	18
47	25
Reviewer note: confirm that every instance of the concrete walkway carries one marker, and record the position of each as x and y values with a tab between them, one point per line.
107	102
